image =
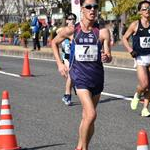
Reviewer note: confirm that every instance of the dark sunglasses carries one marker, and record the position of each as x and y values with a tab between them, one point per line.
70	18
90	6
145	9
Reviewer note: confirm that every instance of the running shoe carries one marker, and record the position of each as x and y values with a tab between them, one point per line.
67	99
145	112
135	101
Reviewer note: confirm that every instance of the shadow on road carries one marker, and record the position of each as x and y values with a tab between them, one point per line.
75	103
44	146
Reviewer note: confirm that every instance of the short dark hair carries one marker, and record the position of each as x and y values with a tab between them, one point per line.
71	14
141	3
82	1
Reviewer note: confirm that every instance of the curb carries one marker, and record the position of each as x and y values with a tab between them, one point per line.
42	55
120	59
122	62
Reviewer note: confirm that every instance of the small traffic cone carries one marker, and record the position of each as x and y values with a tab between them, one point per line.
142	142
7	137
26	66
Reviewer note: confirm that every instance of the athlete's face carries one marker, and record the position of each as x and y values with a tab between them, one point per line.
90	9
71	20
145	10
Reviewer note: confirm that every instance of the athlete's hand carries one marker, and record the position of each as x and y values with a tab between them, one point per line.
133	54
105	58
63	70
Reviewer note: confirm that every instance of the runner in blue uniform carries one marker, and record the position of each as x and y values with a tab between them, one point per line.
70	20
90	47
140	31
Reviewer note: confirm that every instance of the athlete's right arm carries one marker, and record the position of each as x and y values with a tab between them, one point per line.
130	31
63	34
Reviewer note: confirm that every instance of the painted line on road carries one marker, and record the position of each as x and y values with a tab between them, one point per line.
119	68
103	93
45	59
116	96
10	74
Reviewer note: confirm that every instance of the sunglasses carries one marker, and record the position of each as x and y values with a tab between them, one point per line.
145	9
90	6
70	18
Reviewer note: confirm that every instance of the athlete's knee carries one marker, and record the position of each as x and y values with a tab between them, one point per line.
91	115
144	85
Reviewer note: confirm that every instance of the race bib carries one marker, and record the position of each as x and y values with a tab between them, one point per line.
145	42
86	52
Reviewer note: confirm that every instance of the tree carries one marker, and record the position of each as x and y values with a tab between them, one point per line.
125	6
128	7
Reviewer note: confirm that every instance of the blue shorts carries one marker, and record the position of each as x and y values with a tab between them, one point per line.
95	90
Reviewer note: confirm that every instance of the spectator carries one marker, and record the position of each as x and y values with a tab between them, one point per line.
45	34
124	28
115	33
35	26
16	39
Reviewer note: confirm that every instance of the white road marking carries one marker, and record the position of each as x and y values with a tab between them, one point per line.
46	59
106	66
120	68
10	74
117	96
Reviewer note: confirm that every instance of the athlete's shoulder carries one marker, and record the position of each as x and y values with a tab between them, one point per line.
104	31
59	29
134	24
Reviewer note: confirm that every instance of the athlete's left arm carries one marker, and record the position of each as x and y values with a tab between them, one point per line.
106	51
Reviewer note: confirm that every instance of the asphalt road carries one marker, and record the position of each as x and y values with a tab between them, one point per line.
43	122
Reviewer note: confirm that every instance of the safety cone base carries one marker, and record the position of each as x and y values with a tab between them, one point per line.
142	148
31	75
14	148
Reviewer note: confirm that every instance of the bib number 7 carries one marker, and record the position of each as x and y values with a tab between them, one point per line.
86	52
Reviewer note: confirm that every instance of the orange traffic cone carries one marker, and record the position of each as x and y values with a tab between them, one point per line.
26	67
7	137
142	142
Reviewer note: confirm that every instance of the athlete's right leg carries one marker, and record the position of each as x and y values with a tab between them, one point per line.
143	85
68	87
145	112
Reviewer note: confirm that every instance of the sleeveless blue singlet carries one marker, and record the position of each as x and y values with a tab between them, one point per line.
86	68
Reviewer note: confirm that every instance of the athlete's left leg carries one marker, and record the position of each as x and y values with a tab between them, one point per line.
89	114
